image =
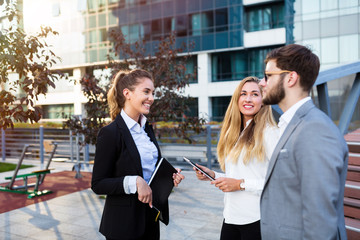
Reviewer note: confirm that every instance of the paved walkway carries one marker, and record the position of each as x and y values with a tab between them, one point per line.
195	213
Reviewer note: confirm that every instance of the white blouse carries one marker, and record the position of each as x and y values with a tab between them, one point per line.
243	207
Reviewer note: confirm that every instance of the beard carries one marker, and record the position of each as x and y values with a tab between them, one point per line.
276	94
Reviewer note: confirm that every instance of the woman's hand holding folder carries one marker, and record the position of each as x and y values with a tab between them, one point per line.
144	191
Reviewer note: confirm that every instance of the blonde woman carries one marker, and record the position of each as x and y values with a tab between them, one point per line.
125	158
247	139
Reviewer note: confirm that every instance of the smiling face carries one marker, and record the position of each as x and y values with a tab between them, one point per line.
140	99
250	100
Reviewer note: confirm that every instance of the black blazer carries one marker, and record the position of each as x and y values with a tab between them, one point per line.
117	156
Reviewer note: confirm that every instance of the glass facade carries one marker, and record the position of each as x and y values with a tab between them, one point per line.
264	17
58	111
218	107
236	65
332	30
193	104
205	25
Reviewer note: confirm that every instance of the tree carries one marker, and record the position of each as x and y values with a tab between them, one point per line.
29	57
168	67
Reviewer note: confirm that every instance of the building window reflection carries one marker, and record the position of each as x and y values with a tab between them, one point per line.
234	66
264	17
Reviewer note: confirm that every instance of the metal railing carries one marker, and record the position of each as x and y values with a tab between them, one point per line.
69	149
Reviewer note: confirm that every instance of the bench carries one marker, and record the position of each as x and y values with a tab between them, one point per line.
49	147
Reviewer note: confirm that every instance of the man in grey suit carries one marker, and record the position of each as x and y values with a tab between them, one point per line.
304	186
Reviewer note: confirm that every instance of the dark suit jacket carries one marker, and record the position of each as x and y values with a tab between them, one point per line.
117	156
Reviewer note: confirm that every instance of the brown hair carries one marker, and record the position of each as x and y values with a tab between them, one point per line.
233	138
297	58
121	81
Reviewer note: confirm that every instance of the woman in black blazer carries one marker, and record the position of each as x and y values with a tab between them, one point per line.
126	155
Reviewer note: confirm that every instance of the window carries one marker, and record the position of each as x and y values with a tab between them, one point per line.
233	66
201	23
221	20
156	29
145	30
193	105
229	66
91	4
180	24
92	21
191	66
58	111
265	17
218	107
168	26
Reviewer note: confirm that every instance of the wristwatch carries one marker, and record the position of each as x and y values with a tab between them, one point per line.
242	185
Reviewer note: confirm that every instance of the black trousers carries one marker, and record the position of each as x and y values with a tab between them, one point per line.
152	228
249	231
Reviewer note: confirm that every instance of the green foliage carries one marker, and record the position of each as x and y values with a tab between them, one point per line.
4	167
31	59
96	108
168	68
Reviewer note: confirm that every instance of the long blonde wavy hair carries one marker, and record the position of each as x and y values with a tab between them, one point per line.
234	138
122	80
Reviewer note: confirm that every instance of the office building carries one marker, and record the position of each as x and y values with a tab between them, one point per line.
231	39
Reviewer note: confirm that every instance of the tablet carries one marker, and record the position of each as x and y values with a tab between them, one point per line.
194	165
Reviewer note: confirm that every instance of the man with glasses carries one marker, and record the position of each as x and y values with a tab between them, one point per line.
304	186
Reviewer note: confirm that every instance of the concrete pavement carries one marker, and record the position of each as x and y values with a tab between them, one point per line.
195	213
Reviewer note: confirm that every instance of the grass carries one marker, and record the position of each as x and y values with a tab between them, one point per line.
4	167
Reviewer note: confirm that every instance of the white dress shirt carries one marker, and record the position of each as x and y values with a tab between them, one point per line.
243	207
147	150
289	114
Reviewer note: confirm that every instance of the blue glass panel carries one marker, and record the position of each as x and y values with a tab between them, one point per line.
235	2
156	10
193	5
221	3
181	42
235	17
221	19
122	13
208	42
236	39
219	106
148	48
154	46
144	12
195	43
168	9
180	7
133	15
222	40
207	4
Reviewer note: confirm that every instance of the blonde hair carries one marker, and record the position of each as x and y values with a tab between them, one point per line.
122	80
234	138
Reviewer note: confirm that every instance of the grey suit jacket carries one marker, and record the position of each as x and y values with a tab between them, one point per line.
304	186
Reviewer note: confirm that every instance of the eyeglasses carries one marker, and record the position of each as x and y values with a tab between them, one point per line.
274	73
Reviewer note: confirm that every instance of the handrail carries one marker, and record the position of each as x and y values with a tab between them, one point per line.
337	72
